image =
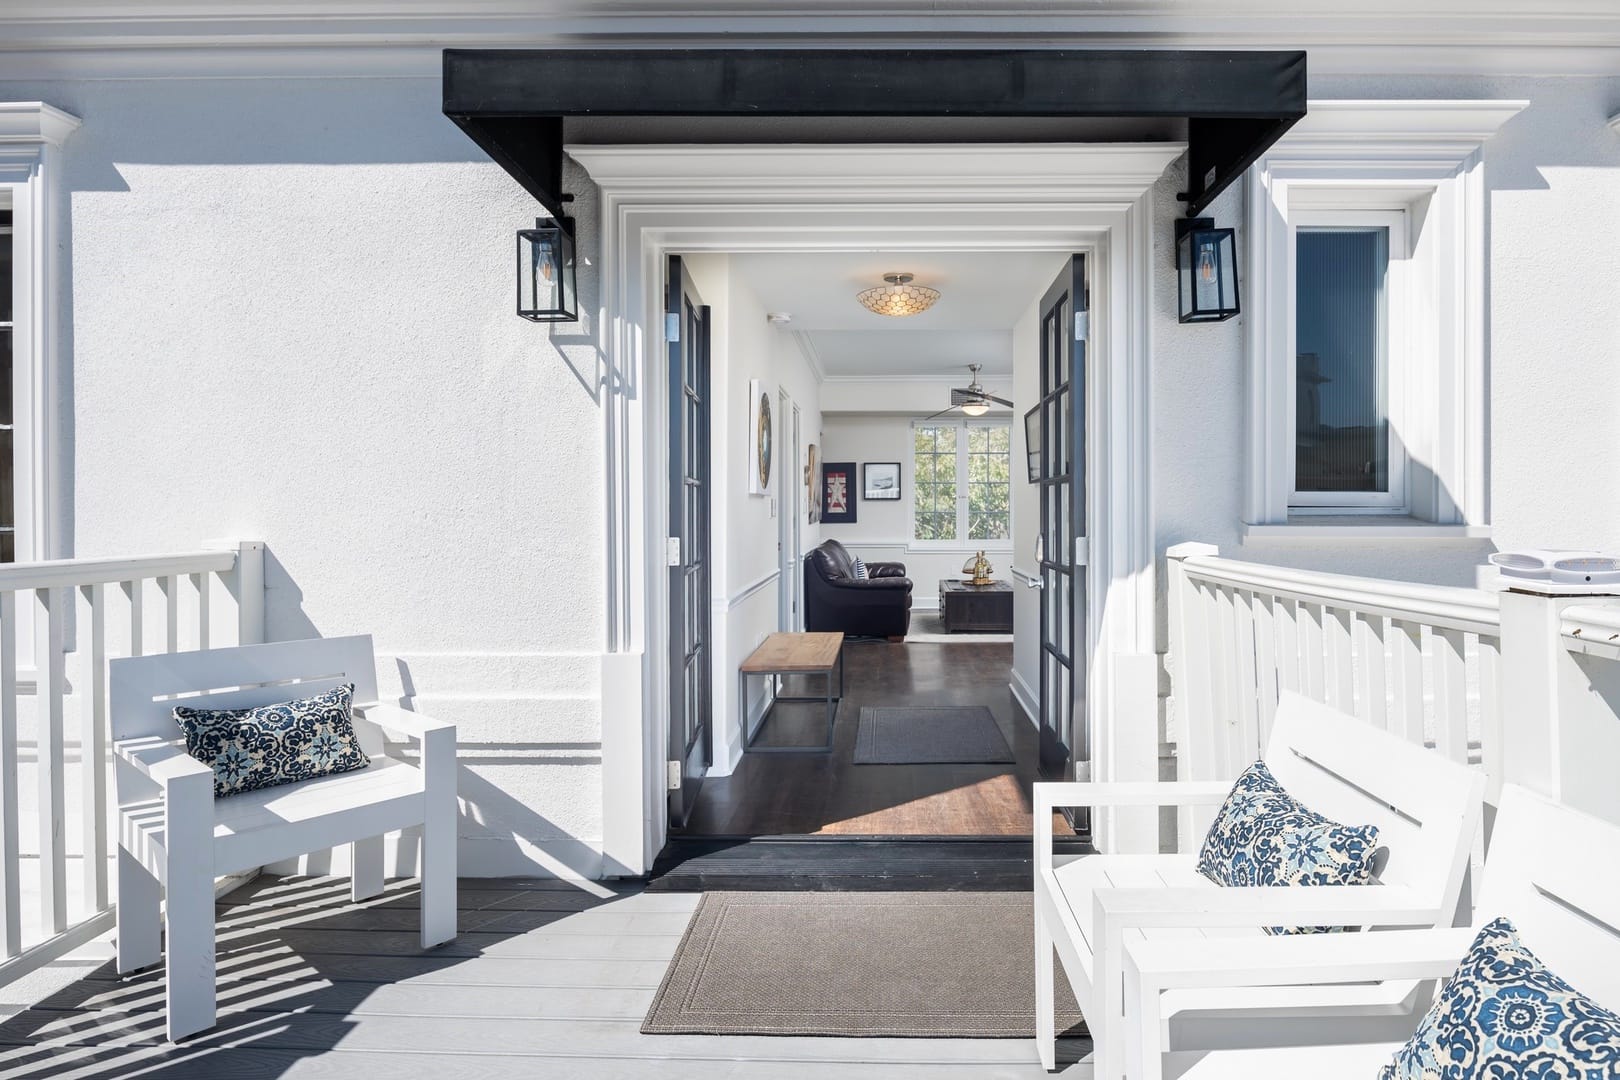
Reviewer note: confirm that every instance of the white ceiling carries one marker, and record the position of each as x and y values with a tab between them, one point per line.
982	294
914	354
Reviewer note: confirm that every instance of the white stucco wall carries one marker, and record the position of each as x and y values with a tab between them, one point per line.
290	317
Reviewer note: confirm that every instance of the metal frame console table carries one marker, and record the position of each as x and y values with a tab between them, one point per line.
791	654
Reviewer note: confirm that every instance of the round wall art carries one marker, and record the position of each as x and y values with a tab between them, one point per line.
761	439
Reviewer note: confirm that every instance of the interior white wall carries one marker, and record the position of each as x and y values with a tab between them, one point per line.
1026	669
746	529
882	529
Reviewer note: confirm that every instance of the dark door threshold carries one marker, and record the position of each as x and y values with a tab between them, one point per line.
849	863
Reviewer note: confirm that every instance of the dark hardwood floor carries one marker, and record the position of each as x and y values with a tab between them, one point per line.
829	795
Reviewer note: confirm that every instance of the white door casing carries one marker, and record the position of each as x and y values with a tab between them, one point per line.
1090	198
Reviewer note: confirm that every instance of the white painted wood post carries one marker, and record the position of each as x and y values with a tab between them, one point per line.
438	873
188	914
1191	690
1530	696
250	593
1133	754
10	849
246	587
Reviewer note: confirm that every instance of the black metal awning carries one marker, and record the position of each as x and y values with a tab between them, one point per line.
513	102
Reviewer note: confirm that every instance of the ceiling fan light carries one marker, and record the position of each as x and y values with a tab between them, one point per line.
898	298
976	408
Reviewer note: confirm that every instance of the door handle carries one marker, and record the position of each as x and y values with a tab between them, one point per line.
1082	551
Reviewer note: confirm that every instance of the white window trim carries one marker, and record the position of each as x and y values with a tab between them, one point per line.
1424	155
31	135
1397	314
962	424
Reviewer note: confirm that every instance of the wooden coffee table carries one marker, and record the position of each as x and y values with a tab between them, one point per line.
965	607
792	654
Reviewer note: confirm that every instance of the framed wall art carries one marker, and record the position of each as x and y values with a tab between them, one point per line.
838	493
880	480
761	438
1032	443
812	485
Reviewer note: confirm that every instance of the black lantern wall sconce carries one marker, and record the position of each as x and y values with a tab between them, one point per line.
545	271
1206	271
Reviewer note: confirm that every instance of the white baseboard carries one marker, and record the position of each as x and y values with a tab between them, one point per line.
1028	700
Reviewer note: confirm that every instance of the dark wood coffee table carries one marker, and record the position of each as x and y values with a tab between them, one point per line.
968	608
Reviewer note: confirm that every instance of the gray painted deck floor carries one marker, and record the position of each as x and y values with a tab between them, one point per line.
546	979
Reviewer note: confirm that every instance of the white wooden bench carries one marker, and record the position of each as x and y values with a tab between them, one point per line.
1087	907
1549	869
175	837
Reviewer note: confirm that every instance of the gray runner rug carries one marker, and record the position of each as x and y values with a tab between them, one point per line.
929	735
918	965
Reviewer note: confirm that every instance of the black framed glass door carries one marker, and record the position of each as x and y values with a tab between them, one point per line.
690	677
1062	482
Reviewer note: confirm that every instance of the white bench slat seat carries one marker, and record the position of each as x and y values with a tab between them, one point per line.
175	838
1549	869
1087	908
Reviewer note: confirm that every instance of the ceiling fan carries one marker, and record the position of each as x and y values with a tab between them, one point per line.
972	399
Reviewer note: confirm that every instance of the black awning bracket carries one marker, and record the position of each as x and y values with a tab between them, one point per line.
513	103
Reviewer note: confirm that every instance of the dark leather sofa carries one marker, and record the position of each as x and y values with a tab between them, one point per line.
834	599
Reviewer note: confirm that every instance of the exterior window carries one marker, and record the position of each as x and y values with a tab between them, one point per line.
1347	451
961	483
8	499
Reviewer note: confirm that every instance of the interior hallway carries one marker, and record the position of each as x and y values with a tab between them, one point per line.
827	794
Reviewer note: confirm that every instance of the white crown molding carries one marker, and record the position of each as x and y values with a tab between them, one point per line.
1341	128
402	38
807	349
35	122
1112	173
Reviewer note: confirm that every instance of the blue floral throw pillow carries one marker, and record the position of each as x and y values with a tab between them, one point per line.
1265	836
1504	1015
275	744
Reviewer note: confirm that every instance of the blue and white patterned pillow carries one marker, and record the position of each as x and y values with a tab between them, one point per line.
1504	1015
860	569
275	744
1265	836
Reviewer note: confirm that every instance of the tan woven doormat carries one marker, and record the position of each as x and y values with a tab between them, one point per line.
919	965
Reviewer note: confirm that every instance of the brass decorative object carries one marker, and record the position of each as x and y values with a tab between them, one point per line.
977	570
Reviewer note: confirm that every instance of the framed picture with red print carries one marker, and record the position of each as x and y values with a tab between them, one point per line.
838	493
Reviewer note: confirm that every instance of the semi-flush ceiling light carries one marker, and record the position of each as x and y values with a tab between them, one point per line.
899	297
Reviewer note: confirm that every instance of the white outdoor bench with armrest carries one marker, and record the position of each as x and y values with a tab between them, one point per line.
174	837
1426	808
1549	869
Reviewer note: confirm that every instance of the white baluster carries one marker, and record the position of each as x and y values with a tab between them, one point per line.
93	740
52	762
1406	649
1450	693
1339	687
1372	695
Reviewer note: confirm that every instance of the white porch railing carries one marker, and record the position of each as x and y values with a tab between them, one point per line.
60	621
1524	682
1419	660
